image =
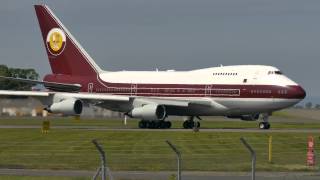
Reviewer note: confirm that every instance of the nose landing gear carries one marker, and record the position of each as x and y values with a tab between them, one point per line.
190	123
265	122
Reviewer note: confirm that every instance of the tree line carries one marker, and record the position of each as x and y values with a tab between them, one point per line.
17	73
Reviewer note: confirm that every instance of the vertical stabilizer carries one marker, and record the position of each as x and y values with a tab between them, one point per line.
66	55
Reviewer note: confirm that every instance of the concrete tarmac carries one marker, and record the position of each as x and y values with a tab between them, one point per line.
99	128
187	175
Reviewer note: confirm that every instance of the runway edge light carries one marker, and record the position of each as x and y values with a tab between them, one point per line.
270	149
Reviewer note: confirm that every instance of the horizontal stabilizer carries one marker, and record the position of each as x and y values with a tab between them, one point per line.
54	86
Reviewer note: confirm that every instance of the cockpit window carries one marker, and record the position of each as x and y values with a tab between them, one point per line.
275	72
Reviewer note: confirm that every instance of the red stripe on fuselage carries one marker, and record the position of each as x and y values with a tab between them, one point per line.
182	90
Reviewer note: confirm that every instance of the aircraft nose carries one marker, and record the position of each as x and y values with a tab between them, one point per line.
299	92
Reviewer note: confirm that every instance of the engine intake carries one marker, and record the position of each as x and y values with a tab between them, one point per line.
67	107
149	112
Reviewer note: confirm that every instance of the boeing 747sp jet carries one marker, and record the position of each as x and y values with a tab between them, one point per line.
246	92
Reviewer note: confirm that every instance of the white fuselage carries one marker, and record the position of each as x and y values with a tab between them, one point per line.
240	89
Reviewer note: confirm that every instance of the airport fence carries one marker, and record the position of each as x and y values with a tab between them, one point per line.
148	151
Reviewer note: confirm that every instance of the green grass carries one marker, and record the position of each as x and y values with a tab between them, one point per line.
147	150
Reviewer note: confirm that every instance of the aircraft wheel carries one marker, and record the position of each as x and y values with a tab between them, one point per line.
198	124
191	124
150	124
167	124
162	125
264	125
142	124
157	124
268	126
185	125
154	124
261	125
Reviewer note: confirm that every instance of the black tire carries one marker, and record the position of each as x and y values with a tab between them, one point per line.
162	124
153	124
157	124
264	125
142	124
185	125
167	124
149	124
191	124
268	125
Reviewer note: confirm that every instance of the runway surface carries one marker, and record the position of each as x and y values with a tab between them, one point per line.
99	128
164	175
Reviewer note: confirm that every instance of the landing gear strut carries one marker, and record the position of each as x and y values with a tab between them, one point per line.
155	124
265	122
190	123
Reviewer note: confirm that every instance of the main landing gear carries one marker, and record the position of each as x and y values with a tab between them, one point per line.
155	124
190	123
265	122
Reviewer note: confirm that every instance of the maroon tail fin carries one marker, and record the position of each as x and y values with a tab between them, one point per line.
66	55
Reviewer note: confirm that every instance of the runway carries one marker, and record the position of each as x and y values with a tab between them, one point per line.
164	175
99	128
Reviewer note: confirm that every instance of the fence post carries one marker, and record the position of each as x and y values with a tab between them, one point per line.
253	158
178	158
103	167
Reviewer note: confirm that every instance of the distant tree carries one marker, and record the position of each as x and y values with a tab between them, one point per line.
17	73
308	105
298	107
317	106
4	71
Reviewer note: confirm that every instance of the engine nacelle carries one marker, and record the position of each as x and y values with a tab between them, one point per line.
149	112
250	117
67	107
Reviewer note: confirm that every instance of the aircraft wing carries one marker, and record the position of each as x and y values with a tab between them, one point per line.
120	103
54	86
81	96
8	93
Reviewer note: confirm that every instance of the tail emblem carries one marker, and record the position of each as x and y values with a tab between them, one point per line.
56	41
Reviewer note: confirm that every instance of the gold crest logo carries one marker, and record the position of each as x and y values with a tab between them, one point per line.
56	41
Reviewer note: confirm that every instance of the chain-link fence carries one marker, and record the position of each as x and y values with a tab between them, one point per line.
148	151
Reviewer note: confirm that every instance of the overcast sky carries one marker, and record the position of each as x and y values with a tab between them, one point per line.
174	34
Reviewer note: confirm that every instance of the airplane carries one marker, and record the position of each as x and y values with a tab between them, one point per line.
246	92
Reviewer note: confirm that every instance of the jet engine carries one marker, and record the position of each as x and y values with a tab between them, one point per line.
149	112
67	107
249	117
